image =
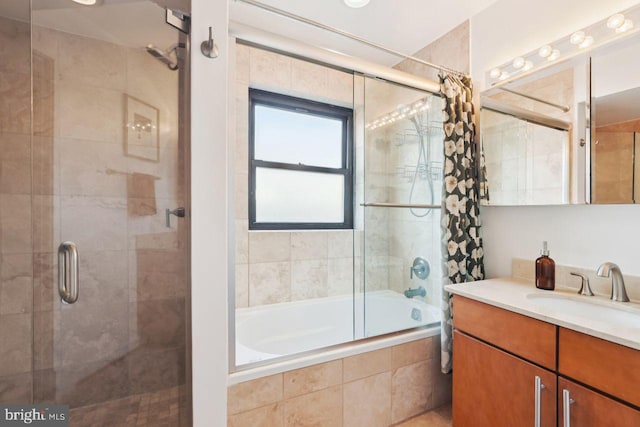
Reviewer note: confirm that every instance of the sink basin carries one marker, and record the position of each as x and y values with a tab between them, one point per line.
595	310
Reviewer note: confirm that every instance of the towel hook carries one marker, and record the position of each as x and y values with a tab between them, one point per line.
209	48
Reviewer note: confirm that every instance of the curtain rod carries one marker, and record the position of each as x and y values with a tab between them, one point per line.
369	43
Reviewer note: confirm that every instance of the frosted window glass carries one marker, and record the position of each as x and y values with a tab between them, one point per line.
292	137
295	196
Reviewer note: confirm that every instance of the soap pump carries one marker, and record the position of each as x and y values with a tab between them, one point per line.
545	270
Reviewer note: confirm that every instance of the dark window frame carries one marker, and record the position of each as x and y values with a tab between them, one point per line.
301	105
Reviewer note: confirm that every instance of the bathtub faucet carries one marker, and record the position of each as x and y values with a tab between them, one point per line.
419	291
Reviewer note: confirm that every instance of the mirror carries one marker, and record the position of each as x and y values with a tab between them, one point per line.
615	101
568	133
532	138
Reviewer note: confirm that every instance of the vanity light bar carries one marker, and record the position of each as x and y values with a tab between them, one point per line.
603	31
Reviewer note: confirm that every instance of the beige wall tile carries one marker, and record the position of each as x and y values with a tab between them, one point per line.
340	86
14	45
15	223
91	62
309	78
242	285
309	279
241	241
267	416
319	409
313	378
15	103
367	402
269	283
16	291
308	245
269	70
366	364
15	336
340	276
94	223
269	246
340	244
89	113
254	394
411	390
16	389
241	196
411	352
242	63
15	164
84	166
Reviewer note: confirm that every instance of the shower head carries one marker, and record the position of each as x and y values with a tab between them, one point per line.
163	56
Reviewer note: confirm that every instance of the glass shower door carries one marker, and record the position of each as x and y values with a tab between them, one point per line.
403	160
108	178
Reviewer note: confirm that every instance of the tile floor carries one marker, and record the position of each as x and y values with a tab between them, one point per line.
164	408
439	417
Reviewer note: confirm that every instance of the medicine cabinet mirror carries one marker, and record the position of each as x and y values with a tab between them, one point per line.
565	134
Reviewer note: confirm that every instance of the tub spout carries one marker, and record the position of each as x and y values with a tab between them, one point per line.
420	291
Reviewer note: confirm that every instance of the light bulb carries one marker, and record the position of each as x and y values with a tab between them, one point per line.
615	21
577	37
588	41
626	26
518	62
504	75
356	3
495	73
545	51
555	54
86	2
527	66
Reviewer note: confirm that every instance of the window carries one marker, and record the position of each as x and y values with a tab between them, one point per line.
301	163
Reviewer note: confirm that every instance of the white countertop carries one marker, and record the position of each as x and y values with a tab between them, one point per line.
515	295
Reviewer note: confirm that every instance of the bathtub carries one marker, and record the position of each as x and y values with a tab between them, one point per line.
276	330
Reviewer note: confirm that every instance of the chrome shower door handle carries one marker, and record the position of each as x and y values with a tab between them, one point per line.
567	401
68	272
539	386
179	212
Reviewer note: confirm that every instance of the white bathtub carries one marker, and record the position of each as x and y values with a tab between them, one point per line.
277	330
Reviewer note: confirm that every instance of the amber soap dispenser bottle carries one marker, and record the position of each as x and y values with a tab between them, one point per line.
545	270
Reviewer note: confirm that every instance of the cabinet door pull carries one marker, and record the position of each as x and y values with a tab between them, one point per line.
539	387
567	401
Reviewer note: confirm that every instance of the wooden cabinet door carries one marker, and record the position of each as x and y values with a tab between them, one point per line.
592	409
492	388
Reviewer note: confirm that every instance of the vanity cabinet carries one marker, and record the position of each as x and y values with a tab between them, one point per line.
493	388
507	368
586	408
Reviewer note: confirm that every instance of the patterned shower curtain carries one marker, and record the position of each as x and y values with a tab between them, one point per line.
462	246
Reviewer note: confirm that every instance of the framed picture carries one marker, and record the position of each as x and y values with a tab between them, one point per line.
142	130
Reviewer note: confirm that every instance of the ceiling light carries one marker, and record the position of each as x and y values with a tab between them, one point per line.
545	51
86	2
518	62
588	41
555	54
577	37
354	3
615	21
527	66
495	73
626	26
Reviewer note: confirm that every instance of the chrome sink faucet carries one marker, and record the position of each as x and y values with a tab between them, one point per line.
618	291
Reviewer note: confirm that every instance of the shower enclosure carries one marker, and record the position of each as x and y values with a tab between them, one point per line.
302	290
93	169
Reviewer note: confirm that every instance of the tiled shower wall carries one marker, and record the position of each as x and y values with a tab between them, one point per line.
281	266
126	334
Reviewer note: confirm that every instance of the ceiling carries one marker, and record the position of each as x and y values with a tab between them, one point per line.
404	25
